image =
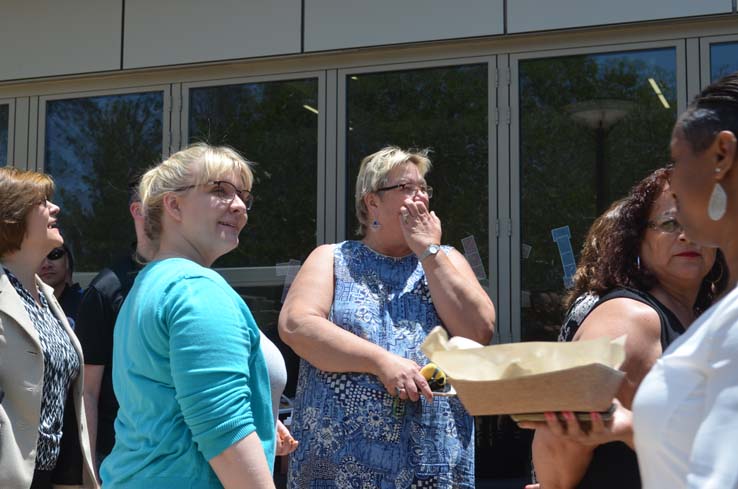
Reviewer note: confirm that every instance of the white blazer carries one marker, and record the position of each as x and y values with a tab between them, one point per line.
21	379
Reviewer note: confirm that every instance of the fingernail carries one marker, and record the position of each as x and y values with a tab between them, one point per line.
568	415
549	416
595	416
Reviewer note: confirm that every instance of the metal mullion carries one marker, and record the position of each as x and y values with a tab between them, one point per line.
331	156
492	172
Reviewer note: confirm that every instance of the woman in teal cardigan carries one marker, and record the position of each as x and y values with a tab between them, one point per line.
188	372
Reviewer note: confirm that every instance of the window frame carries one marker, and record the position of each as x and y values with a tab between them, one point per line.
514	279
705	55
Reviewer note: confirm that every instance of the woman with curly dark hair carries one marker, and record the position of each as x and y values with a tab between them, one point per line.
638	275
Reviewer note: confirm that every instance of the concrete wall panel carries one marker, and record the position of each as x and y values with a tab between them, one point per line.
48	37
169	32
536	15
337	24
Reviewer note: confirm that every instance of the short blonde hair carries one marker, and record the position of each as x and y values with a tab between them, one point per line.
373	175
196	165
19	191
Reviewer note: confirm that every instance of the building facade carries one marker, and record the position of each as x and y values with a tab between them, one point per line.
538	115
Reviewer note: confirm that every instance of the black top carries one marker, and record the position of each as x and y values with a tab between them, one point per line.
614	465
69	300
95	322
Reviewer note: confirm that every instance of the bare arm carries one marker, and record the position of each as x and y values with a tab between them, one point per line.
557	456
93	375
304	326
463	306
243	464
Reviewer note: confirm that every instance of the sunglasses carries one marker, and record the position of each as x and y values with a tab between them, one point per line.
56	253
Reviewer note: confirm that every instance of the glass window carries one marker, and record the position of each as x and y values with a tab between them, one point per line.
274	124
723	59
93	147
4	124
444	109
590	127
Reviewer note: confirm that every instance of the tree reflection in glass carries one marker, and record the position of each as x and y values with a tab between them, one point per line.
444	109
723	59
94	146
4	113
565	152
274	124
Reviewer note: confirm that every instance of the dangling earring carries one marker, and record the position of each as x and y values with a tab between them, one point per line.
718	203
375	225
713	284
638	262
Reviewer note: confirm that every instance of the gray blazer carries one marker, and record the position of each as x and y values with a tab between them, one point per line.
21	379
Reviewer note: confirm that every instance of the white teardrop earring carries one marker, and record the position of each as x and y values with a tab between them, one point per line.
718	203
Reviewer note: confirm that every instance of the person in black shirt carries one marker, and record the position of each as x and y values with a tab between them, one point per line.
96	319
56	270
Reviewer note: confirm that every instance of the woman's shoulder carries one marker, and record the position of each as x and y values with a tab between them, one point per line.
615	314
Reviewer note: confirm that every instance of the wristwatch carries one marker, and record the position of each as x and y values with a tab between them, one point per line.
430	250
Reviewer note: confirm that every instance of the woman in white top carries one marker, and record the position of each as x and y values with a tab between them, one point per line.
685	414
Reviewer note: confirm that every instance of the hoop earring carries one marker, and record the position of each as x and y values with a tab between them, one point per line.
718	203
713	284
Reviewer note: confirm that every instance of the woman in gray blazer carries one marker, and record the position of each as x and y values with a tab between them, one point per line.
40	358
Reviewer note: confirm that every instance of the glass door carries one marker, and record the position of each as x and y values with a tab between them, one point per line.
274	122
94	144
587	126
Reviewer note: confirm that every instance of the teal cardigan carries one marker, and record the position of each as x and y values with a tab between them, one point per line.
189	376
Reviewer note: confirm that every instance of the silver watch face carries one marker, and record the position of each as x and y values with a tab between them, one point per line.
433	249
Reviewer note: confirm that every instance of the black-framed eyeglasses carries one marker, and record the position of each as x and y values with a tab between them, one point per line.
669	225
56	253
410	189
226	192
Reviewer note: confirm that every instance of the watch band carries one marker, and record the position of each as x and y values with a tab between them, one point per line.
432	249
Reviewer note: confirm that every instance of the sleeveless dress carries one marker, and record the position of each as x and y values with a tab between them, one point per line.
352	433
614	465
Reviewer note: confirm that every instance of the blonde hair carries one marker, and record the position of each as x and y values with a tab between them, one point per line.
196	165
373	175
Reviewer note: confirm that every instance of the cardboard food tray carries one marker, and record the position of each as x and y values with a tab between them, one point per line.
524	378
586	388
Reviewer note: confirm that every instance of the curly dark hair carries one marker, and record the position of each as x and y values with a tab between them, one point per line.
609	256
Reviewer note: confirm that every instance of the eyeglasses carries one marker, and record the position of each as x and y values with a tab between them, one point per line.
410	189
669	225
226	192
56	253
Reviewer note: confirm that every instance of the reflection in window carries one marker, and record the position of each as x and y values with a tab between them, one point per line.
723	59
276	125
590	127
4	123
444	109
94	146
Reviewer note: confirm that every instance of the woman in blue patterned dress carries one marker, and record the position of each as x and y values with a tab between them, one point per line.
357	314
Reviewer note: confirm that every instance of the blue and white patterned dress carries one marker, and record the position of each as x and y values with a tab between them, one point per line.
352	433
